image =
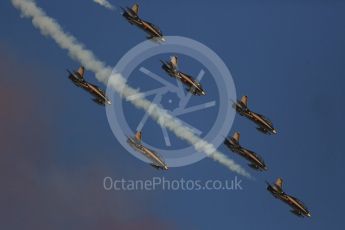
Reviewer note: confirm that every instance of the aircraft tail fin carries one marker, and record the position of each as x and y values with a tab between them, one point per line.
135	8
279	183
236	137
244	100
138	136
81	71
173	61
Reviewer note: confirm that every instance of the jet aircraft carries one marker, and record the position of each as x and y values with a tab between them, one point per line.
156	160
77	77
170	68
264	124
256	162
131	14
298	208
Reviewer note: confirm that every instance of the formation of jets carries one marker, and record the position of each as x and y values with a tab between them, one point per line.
256	162
154	34
264	125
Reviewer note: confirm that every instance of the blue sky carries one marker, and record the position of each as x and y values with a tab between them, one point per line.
288	57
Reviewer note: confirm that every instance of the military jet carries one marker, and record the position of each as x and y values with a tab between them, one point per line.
77	77
298	208
265	125
136	144
233	144
170	68
131	14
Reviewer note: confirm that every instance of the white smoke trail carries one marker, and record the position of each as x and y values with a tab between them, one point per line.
105	3
49	27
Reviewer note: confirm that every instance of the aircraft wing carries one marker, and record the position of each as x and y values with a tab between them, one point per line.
296	212
227	143
155	166
99	101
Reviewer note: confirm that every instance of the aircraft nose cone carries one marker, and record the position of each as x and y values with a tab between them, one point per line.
274	131
309	215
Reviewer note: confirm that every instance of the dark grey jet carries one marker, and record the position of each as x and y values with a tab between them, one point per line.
256	162
264	124
298	208
77	77
156	160
193	86
131	14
